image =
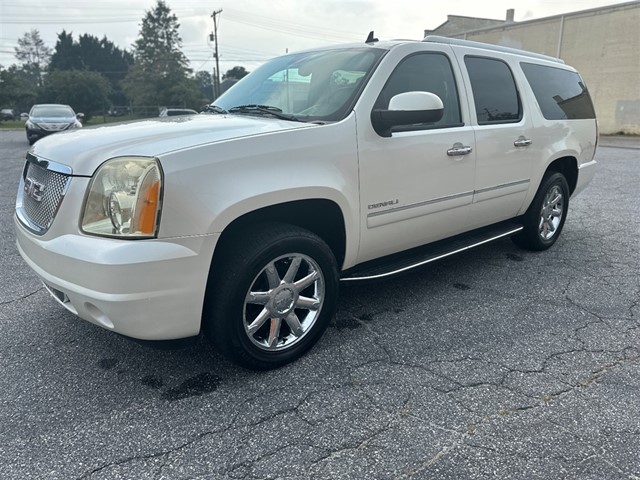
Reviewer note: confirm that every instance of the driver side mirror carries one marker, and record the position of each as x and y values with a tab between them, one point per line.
407	108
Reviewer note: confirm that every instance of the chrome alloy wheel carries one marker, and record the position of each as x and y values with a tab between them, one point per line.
551	213
283	302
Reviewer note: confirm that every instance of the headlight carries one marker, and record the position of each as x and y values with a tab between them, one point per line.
75	124
124	199
32	126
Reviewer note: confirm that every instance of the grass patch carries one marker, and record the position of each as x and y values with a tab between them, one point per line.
101	120
97	120
12	124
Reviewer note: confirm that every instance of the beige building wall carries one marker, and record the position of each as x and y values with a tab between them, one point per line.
603	44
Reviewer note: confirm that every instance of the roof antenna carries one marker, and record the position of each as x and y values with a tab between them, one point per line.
370	38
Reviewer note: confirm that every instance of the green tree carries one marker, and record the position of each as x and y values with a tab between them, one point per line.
18	88
65	55
86	92
236	72
160	74
95	55
204	80
33	54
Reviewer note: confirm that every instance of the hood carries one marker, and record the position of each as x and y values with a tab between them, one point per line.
38	119
54	124
85	149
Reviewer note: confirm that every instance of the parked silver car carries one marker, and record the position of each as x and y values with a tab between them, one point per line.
174	112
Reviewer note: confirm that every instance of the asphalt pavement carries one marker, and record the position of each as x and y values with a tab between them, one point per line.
496	364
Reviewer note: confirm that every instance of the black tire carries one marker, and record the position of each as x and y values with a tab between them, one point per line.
232	316
545	217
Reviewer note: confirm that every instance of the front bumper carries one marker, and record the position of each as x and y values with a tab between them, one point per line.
149	289
34	134
37	134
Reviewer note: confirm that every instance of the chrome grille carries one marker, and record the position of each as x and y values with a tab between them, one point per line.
40	195
54	127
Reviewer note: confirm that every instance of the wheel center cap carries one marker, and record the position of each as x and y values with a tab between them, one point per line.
283	300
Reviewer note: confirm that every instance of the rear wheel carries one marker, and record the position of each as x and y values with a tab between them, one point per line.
271	297
546	215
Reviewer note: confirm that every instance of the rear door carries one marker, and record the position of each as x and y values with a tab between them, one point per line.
504	134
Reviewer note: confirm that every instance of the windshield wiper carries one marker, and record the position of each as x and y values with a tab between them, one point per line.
214	109
264	110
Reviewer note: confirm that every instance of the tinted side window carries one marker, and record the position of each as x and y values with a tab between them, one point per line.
560	93
494	91
425	72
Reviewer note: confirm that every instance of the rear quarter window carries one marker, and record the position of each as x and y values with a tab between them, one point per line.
561	94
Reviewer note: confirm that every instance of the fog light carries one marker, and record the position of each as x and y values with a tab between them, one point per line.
98	315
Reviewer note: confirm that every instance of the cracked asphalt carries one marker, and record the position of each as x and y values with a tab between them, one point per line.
498	363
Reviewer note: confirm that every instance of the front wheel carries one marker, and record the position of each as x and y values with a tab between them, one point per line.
271	296
546	215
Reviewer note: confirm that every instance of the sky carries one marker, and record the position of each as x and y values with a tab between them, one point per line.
252	31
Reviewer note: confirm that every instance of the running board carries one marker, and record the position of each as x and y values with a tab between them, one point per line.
417	257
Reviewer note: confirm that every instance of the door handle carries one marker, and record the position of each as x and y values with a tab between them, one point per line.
459	149
522	142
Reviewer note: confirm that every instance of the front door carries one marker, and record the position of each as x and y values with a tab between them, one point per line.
417	185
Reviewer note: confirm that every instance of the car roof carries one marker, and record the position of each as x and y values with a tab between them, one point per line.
51	105
489	46
389	44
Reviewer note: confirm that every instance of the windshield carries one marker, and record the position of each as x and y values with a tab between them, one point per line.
52	111
308	86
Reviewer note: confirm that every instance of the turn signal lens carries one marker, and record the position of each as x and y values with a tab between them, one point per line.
146	206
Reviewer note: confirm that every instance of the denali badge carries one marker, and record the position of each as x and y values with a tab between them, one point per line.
33	189
388	203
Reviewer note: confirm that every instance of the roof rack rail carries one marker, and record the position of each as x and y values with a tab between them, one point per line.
488	46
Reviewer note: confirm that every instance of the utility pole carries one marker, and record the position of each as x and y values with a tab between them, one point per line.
214	38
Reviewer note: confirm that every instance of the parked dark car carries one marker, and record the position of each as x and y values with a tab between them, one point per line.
46	119
7	114
119	111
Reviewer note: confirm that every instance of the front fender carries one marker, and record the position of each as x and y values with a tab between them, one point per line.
208	187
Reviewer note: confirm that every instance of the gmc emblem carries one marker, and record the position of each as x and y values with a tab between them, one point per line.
33	189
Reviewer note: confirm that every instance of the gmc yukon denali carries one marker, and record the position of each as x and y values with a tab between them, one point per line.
339	164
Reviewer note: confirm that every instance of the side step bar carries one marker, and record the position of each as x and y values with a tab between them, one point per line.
417	257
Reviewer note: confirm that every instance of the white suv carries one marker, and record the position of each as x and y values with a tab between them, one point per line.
338	164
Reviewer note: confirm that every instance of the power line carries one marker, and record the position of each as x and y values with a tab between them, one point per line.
292	31
291	25
197	54
259	21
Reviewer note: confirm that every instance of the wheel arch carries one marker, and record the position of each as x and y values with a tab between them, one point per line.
320	216
567	166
